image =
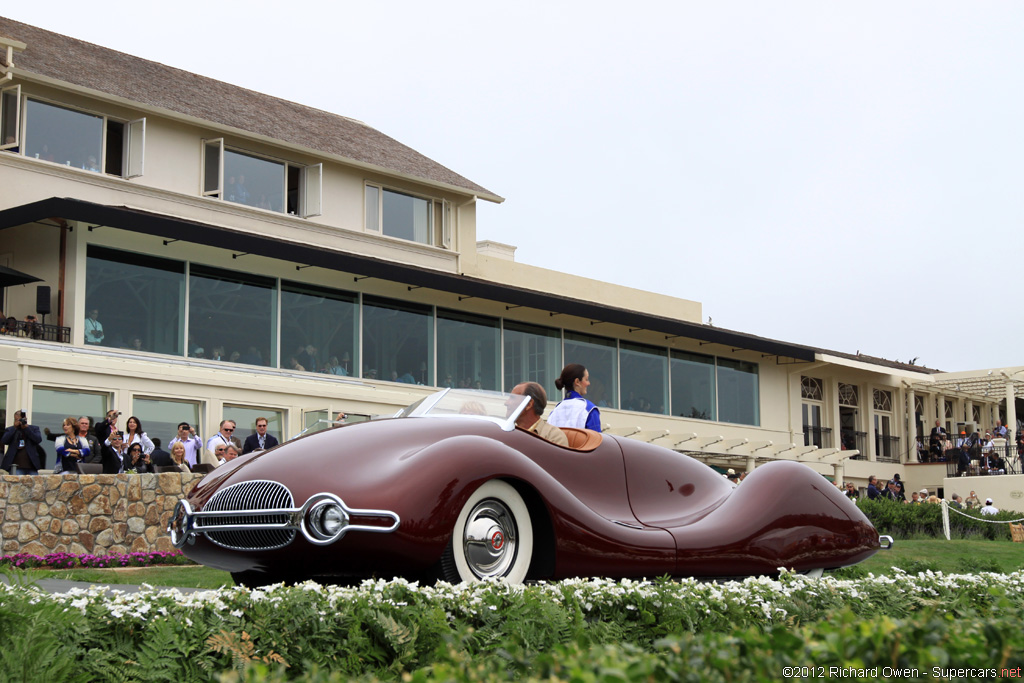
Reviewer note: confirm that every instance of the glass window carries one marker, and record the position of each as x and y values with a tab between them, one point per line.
318	329
533	354
467	350
160	418
738	398
310	418
254	181
597	354
399	215
245	421
232	316
64	136
693	386
3	406
398	341
51	406
644	373
138	301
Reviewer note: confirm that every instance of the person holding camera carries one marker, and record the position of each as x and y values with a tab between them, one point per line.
23	455
111	459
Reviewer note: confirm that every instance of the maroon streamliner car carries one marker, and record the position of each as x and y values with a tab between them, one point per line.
449	488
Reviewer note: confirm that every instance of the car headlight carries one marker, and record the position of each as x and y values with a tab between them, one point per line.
327	520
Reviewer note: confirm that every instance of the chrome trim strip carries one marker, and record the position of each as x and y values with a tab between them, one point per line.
186	524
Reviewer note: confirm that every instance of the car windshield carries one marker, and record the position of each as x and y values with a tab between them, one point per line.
493	406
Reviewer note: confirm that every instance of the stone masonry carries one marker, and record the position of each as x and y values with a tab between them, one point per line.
97	514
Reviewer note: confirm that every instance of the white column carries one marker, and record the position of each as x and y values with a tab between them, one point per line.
912	425
832	410
1011	409
837	472
751	460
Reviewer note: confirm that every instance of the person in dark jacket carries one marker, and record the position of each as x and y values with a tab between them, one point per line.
111	458
159	456
23	454
260	441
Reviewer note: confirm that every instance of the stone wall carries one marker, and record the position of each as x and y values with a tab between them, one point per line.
98	514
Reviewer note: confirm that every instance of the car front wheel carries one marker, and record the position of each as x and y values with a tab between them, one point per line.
492	538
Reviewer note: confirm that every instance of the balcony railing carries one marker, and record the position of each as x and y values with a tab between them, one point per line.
887	448
35	330
817	436
1006	458
854	440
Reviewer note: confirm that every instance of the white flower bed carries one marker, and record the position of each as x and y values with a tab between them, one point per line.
755	600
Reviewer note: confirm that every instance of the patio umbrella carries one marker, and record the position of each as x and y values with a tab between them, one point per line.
10	277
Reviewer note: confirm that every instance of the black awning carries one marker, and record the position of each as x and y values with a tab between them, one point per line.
303	254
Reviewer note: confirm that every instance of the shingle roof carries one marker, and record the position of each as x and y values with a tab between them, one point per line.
149	83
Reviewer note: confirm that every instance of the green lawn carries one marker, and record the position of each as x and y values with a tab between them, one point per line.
956	556
939	555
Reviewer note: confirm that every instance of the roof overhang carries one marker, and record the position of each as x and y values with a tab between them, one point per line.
924	377
171	227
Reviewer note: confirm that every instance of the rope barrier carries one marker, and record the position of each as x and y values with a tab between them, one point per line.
945	518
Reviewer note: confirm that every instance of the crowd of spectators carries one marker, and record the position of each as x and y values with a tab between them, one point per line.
894	490
108	449
29	328
992	451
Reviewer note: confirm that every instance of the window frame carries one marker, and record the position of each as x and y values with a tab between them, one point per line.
435	206
4	95
134	148
133	135
310	201
204	165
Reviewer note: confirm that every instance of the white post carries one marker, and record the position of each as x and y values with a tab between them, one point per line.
1011	410
912	425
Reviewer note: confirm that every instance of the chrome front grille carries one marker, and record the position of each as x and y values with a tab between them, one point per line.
265	496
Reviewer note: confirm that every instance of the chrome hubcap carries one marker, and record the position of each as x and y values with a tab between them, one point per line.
489	539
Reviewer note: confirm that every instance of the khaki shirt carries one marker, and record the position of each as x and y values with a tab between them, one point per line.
552	434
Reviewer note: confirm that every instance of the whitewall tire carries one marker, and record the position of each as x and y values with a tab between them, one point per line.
492	538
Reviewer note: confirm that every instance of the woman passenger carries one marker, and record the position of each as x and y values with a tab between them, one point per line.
575	410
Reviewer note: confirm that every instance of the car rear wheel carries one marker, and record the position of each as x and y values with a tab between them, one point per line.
492	538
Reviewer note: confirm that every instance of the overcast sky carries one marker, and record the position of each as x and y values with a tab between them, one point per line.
843	174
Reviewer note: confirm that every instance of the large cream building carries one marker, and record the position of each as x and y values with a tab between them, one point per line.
249	256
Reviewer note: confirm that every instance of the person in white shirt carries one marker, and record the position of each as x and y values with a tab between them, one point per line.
188	438
224	436
989	508
133	434
93	328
